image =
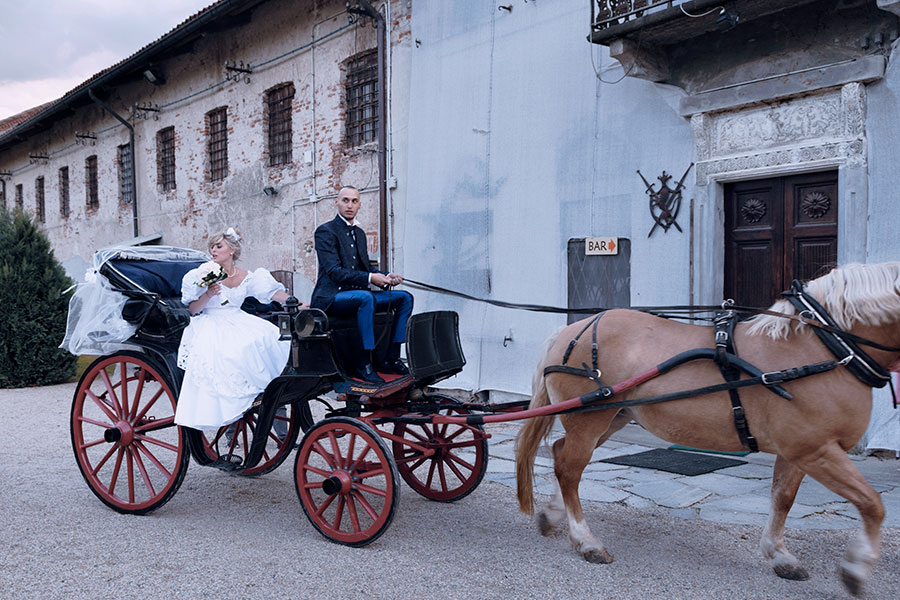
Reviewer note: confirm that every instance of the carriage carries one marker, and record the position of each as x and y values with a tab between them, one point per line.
348	465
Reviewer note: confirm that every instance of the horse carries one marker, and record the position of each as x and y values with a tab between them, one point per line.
809	434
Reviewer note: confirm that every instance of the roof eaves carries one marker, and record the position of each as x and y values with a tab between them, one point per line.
172	38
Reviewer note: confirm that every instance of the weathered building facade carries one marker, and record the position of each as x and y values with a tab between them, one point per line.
249	114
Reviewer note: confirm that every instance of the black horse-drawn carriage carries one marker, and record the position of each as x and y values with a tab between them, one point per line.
347	469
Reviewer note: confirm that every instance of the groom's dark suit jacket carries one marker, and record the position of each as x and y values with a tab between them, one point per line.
343	261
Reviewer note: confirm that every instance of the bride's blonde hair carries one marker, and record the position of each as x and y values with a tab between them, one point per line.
231	237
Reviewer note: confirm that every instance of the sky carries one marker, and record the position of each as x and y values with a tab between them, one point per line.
48	47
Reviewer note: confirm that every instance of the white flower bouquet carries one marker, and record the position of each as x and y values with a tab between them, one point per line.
209	273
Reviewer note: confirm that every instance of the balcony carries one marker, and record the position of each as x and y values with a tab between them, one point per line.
702	45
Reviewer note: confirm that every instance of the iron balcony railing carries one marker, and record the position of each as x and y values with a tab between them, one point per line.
607	13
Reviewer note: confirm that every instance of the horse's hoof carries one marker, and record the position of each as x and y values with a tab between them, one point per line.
598	557
852	582
546	528
791	572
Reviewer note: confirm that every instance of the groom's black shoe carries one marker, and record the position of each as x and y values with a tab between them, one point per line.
394	366
392	362
366	372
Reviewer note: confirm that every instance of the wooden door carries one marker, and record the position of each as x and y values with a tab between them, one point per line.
778	230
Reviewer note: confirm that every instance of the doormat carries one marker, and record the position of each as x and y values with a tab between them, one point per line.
675	461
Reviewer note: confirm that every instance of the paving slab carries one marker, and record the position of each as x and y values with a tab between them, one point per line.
815	494
597	492
670	493
757	504
749	471
732	516
724	485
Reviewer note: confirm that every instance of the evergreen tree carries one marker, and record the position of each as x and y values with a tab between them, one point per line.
33	308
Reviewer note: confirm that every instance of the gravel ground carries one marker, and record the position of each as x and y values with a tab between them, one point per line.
231	537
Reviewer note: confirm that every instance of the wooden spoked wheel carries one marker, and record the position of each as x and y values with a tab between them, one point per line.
126	443
441	462
233	441
346	481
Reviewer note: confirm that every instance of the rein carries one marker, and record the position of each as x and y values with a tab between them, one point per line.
660	311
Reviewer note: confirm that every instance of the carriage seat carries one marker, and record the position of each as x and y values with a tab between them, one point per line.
348	341
154	294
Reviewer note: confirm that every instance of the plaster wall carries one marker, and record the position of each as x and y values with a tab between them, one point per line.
516	147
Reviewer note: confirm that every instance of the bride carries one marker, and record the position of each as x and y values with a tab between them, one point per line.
228	356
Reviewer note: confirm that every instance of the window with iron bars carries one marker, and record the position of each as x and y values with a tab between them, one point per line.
165	159
20	197
64	191
39	199
90	182
362	98
217	143
279	102
126	183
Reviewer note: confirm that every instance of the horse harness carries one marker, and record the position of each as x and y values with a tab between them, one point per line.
843	345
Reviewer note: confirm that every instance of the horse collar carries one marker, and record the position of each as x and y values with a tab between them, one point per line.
860	363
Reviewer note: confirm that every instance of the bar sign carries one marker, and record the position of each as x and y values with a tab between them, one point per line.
603	246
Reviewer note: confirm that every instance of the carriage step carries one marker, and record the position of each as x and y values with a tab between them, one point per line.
227	462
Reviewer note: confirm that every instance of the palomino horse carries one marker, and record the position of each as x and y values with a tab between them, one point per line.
809	434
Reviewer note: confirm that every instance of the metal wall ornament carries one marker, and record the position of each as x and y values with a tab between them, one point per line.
665	202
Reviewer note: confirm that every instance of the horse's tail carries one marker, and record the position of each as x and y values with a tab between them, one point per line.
531	435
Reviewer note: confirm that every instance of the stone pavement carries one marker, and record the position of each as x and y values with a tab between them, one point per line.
738	494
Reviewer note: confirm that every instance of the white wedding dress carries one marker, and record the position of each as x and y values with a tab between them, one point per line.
228	356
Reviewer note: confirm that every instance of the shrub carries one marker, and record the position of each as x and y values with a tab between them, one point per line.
33	308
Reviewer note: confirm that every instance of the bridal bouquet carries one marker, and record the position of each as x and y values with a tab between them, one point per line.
209	273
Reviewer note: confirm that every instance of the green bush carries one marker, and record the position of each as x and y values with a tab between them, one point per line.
33	308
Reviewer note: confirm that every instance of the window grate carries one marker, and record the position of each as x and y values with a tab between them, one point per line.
20	197
126	183
64	191
362	98
217	143
39	199
90	182
165	159
279	102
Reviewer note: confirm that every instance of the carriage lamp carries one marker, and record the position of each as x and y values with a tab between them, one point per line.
284	326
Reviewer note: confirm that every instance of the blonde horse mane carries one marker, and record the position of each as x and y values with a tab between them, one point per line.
856	293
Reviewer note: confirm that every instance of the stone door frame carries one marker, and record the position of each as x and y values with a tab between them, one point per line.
821	131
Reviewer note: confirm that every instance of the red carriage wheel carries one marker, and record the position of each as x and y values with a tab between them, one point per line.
346	481
126	443
456	464
234	440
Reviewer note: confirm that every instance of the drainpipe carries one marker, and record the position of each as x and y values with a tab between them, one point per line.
364	7
134	210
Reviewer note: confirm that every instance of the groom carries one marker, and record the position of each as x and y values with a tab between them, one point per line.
346	278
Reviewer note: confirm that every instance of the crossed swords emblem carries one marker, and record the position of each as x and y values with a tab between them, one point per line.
665	202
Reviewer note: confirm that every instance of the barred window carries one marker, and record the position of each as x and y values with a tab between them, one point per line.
165	159
126	183
20	197
64	191
90	182
279	102
39	199
362	98
217	143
